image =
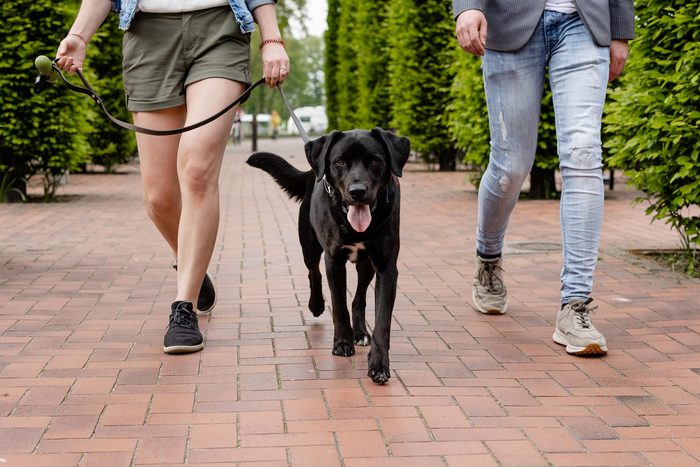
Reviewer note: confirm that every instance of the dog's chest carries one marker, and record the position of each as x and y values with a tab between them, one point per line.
355	251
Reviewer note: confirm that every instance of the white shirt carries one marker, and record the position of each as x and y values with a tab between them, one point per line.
178	6
562	6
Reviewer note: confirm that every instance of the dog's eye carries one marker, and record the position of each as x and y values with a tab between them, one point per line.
340	162
374	163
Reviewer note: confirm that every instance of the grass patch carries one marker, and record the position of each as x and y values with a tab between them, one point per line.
683	261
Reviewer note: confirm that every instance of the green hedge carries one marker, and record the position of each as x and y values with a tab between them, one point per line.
372	68
110	144
467	117
421	36
330	66
49	133
40	133
346	80
653	117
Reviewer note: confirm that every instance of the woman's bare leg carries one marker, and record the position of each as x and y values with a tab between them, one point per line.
199	159
158	159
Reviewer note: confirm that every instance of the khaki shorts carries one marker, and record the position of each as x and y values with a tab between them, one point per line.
162	53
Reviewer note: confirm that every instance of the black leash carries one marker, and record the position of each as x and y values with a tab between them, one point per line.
50	73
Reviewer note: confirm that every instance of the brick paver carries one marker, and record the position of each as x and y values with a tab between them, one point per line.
85	288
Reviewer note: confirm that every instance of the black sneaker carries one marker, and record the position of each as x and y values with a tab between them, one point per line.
206	301
183	334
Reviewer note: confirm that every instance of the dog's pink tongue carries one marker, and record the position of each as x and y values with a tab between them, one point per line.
359	217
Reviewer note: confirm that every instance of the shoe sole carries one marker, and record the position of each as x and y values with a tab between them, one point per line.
487	311
178	349
216	299
209	310
591	350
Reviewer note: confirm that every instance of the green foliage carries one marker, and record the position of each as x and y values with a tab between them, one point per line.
546	157
653	117
12	187
110	145
40	133
372	79
356	75
467	117
289	9
346	78
331	63
422	44
304	84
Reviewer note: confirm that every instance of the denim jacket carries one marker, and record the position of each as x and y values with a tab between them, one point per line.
241	10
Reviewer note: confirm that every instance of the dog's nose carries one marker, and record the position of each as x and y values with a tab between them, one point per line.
357	191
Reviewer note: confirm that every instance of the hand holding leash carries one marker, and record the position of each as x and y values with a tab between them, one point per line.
50	73
71	53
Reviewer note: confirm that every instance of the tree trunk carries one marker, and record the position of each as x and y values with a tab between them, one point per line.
254	133
447	160
542	184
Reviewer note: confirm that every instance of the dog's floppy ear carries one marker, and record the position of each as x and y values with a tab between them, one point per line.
317	152
396	146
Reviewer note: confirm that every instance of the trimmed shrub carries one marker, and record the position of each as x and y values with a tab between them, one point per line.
653	117
110	145
40	133
372	76
331	63
421	36
467	117
346	75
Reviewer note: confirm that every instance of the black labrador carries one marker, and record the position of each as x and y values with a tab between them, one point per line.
349	210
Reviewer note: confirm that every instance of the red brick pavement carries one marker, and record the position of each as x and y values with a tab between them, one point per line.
85	288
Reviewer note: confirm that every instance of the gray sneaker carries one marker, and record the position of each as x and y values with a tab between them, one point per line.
489	290
576	331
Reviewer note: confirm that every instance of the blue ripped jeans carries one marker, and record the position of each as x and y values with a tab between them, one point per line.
514	81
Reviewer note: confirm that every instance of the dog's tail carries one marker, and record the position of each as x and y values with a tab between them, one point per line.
291	179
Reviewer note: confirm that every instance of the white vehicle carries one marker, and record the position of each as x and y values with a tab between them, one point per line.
313	119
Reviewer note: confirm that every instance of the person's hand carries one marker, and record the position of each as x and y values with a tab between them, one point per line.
471	31
275	63
71	53
619	51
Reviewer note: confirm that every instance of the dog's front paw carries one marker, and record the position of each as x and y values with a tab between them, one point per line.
378	367
362	339
317	306
379	375
343	349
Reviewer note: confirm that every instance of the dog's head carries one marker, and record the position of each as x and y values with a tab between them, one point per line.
358	164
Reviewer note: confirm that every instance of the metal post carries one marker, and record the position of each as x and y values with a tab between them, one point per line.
254	134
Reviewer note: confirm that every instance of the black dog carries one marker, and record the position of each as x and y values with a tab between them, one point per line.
349	210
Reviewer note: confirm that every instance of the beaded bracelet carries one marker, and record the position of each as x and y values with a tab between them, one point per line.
277	40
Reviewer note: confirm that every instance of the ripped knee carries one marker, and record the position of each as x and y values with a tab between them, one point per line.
582	158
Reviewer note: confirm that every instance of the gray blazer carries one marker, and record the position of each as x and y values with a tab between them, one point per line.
512	22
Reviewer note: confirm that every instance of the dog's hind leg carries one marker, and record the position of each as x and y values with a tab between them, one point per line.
312	251
365	274
312	258
342	335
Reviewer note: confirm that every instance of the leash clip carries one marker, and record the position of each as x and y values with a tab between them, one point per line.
327	186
